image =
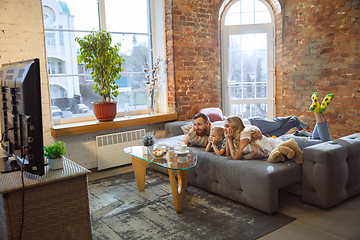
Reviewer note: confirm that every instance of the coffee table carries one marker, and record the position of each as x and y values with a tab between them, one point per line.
170	161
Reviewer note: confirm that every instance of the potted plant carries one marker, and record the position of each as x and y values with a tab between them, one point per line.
54	154
105	62
147	140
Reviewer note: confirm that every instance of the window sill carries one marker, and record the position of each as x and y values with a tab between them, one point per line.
95	126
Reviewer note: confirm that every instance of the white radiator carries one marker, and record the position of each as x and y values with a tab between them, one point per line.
110	148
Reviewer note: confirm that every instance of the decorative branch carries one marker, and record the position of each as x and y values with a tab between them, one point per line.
151	79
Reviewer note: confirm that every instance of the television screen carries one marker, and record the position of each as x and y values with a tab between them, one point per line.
21	115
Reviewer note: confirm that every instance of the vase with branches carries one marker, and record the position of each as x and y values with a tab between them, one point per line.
152	78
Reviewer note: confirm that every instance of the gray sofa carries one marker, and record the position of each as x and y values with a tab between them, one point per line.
330	173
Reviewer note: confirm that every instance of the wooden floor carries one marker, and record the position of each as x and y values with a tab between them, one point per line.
339	222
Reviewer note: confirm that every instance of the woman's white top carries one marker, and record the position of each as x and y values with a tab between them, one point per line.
266	144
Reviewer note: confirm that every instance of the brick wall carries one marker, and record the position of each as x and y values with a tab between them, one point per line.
321	53
317	49
195	55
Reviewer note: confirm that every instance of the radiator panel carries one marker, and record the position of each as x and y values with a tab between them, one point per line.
110	148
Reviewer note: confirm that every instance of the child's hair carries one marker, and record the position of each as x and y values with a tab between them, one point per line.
219	130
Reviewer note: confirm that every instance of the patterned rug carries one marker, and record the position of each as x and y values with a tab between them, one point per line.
120	211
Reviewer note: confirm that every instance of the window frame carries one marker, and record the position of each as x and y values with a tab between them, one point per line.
156	10
51	67
226	31
60	67
51	39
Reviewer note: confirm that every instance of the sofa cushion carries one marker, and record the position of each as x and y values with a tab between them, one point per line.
214	114
252	182
174	128
331	171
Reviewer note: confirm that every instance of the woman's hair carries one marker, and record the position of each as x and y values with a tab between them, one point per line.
237	123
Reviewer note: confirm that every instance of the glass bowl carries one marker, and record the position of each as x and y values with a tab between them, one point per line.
158	152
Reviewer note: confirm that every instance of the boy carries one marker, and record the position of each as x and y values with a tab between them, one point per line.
217	141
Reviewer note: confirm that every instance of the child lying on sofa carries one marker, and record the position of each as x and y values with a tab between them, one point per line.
238	136
217	141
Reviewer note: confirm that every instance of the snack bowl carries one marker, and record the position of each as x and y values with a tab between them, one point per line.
158	152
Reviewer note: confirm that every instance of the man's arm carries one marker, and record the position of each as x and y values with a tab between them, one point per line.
186	139
196	140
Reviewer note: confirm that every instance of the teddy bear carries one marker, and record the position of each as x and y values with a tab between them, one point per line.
290	149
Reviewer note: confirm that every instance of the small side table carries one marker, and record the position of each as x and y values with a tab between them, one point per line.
170	161
56	204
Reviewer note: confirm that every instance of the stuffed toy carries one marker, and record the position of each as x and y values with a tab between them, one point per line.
288	149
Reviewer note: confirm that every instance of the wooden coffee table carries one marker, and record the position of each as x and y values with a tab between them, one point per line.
169	161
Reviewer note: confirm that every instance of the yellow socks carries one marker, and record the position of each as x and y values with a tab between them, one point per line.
326	102
315	107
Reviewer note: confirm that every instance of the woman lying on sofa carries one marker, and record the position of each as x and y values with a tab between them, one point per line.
238	136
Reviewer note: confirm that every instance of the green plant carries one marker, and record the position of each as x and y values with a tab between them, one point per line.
103	60
148	139
57	150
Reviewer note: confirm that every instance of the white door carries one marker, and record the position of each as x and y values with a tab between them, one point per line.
248	70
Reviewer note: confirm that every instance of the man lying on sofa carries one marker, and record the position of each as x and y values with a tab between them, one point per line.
200	129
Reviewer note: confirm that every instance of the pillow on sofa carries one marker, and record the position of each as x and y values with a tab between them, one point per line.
252	152
214	114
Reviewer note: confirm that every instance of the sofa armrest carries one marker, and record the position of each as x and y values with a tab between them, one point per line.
331	170
174	128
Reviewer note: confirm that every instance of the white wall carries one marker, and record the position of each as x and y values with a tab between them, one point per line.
22	37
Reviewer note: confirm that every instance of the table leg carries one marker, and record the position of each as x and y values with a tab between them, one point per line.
139	167
178	190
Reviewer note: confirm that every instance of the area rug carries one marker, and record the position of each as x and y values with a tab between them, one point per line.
119	211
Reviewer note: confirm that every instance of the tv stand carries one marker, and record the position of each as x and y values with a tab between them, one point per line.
56	204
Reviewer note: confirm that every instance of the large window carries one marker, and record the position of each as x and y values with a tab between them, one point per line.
247	57
129	22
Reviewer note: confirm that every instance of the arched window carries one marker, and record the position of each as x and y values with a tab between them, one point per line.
248	59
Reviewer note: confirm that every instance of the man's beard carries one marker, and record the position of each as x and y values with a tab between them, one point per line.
201	132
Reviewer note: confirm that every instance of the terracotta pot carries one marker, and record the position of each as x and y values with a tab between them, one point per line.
105	112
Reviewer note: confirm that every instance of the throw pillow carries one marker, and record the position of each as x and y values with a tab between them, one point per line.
214	114
252	152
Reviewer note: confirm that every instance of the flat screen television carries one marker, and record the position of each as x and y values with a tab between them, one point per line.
21	117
